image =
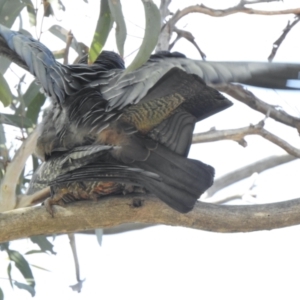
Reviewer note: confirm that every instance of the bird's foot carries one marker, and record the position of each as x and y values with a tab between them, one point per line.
49	202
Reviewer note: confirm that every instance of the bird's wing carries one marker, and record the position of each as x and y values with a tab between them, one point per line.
58	81
63	163
122	89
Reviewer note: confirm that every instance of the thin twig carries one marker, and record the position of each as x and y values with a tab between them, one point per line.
188	36
279	41
246	2
239	134
229	11
68	45
78	286
244	172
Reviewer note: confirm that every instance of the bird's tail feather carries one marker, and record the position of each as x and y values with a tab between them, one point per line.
183	180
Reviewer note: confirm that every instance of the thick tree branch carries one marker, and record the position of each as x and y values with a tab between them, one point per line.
24	222
8	186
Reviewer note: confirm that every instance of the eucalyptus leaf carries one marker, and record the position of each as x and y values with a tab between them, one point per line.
31	12
18	121
152	31
103	28
35	163
1	294
9	274
5	92
9	11
5	63
26	287
40	268
34	252
2	137
34	107
23	266
121	31
43	243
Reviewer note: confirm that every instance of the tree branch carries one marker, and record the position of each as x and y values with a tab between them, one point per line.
78	286
245	172
112	211
279	41
36	198
229	11
8	186
69	39
241	94
239	134
188	36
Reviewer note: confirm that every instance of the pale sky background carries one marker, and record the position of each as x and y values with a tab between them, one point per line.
166	262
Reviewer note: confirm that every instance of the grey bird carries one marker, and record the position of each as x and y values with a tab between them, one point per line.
146	116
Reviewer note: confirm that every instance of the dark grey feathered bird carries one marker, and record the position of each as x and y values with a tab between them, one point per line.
149	114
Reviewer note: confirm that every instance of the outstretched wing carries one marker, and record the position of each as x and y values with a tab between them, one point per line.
121	89
58	81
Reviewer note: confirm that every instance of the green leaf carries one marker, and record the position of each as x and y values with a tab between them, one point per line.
34	252
43	243
14	120
102	31
40	268
9	275
2	137
35	162
1	294
26	99
4	246
31	93
34	108
3	152
152	31
5	93
9	11
5	63
26	287
23	266
121	32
